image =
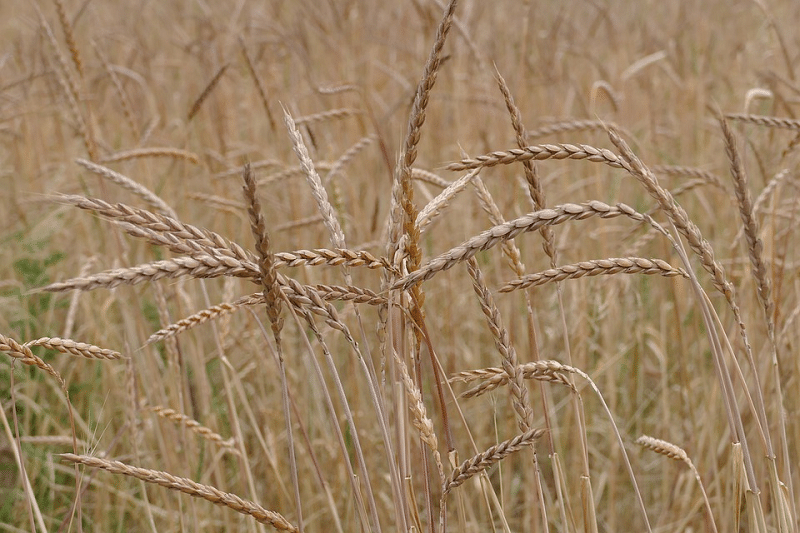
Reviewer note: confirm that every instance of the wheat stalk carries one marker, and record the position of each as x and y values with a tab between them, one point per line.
421	421
346	157
694	172
427	215
121	94
755	247
69	37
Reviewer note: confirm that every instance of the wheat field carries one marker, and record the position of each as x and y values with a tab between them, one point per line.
399	266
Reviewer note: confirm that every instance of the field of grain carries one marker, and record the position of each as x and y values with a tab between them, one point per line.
399	266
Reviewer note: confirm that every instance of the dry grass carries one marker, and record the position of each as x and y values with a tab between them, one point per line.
422	277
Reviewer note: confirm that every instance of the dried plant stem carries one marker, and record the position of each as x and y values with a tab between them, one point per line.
346	157
296	309
298	298
538	201
429	177
69	85
404	212
556	372
416	120
435	206
254	165
755	247
23	353
121	94
69	37
187	486
694	172
289	172
35	512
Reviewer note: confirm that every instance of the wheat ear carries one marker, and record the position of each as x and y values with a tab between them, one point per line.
770	122
596	267
187	486
540	153
315	183
569	126
198	103
508	230
259	84
494	377
502	341
195	427
127	183
81	349
484	460
162	230
677	453
155	151
24	354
